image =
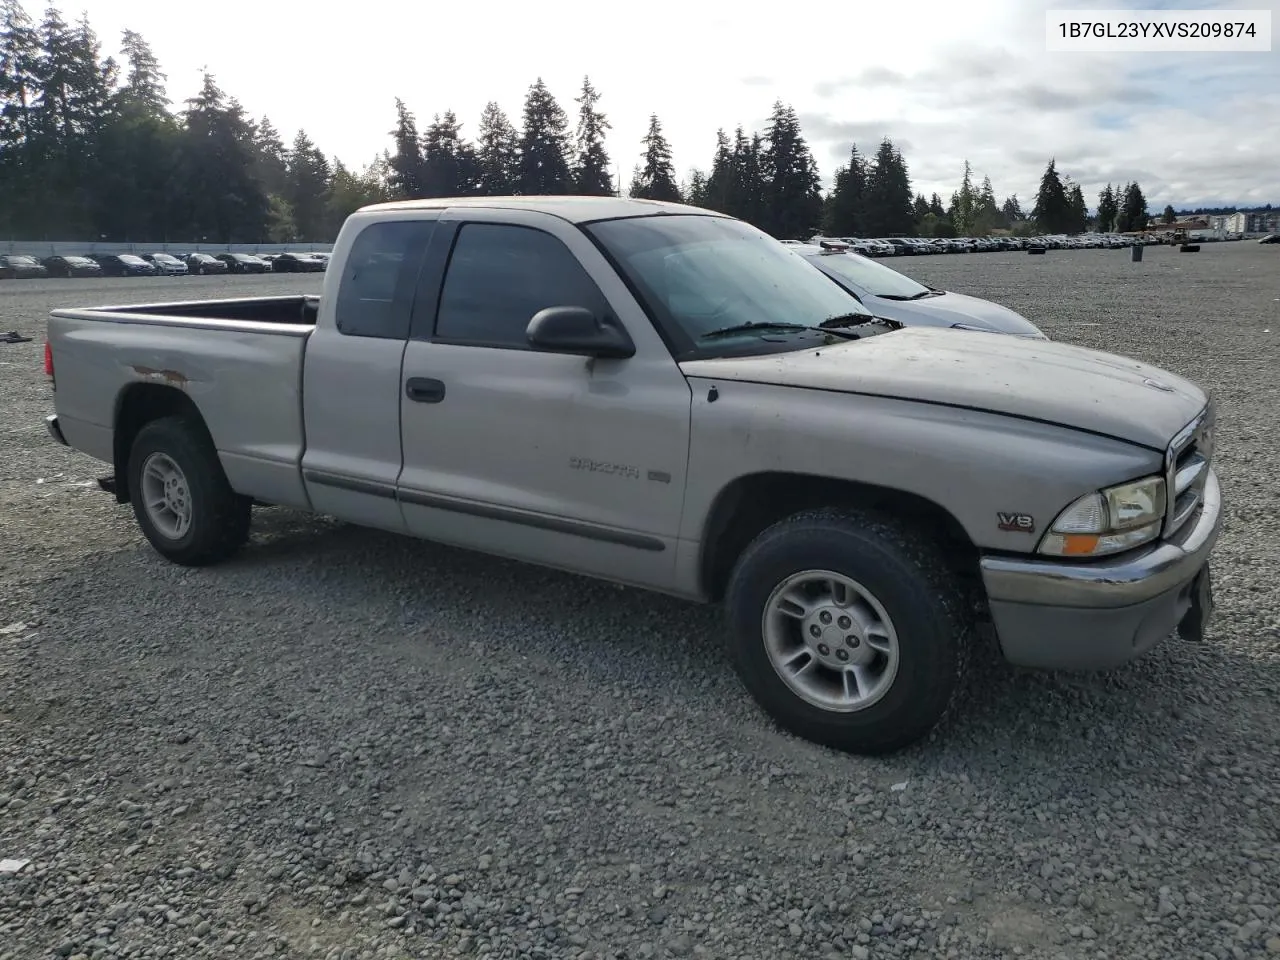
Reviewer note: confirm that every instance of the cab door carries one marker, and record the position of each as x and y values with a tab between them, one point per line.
559	459
351	374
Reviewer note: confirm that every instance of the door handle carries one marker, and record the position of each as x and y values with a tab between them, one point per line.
424	390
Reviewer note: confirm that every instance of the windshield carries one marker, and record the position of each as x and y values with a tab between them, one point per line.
130	258
164	258
697	274
877	279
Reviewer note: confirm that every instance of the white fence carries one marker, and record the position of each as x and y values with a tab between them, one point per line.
51	248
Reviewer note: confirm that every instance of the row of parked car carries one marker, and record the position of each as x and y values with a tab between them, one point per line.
18	267
915	246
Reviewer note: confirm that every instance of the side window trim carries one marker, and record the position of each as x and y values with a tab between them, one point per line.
401	304
442	259
430	281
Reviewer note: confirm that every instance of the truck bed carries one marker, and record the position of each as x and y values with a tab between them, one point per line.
290	311
238	361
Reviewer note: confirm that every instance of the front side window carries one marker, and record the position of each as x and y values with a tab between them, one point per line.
382	256
700	276
499	276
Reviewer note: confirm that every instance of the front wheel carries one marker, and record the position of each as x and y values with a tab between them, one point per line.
181	497
849	629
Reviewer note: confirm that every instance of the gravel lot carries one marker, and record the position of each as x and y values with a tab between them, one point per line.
350	745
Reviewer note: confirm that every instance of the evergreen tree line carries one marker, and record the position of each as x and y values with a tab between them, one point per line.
93	148
90	148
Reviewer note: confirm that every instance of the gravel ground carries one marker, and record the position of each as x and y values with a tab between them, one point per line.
350	745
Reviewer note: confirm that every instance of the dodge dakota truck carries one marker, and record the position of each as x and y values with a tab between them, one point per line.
666	397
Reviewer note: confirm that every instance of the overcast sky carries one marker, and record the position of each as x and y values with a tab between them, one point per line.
946	80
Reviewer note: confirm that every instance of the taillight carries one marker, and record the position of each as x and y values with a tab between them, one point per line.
48	360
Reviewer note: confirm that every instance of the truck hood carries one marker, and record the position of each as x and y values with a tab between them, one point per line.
1037	379
952	308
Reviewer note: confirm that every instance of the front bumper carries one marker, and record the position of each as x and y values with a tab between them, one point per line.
1095	616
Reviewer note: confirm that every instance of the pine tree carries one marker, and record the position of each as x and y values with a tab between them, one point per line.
544	165
695	191
68	118
272	158
137	152
280	226
1077	212
963	203
19	83
888	194
144	86
308	188
734	185
497	154
1108	208
1050	212
656	178
1169	216
349	191
449	165
793	191
407	173
844	212
919	207
1122	217
986	213
224	201
720	181
591	161
1133	209
936	208
1011	210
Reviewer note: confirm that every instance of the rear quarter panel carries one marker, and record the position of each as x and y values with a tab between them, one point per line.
246	384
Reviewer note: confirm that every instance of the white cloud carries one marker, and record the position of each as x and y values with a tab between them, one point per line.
944	80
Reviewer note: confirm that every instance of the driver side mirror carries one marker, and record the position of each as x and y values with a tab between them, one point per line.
577	330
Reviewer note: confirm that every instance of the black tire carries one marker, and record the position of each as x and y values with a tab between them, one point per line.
220	517
909	576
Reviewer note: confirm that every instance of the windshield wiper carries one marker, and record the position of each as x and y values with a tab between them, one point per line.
930	292
746	327
846	320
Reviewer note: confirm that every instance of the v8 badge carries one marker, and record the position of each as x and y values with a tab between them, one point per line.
1016	522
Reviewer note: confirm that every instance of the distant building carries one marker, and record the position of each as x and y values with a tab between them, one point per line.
1262	221
1244	222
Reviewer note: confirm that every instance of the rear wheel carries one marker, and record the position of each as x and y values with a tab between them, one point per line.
181	497
849	628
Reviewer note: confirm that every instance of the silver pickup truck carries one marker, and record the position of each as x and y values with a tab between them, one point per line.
666	397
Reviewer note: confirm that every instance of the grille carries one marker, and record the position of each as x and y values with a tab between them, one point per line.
1187	470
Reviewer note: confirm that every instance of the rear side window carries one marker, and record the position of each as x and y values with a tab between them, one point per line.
499	276
375	293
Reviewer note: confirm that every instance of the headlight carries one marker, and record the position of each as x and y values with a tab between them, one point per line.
1111	520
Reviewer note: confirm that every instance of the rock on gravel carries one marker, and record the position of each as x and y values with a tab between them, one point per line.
345	745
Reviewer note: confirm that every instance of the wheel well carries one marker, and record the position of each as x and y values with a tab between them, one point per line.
139	404
750	504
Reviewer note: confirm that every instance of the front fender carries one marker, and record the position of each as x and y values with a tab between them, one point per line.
974	465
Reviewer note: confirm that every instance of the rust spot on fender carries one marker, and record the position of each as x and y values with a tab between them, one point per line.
172	377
